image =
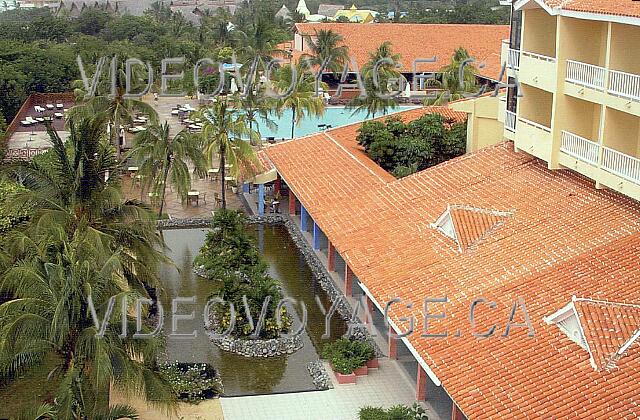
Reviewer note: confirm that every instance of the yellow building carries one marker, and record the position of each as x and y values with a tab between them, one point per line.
356	15
578	66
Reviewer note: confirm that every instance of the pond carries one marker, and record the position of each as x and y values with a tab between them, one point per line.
240	375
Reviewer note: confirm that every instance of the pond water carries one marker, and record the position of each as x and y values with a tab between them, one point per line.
336	116
240	375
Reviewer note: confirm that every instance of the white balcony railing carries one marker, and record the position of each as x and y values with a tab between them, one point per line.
624	84
579	147
539	56
620	164
510	121
535	124
586	74
513	59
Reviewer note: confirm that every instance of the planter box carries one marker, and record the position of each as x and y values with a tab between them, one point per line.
345	379
361	371
373	363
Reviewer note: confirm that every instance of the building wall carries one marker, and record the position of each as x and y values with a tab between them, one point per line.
539	31
483	125
623	57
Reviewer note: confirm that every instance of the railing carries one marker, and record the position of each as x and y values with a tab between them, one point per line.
510	121
535	124
513	59
624	84
579	147
539	56
620	164
586	74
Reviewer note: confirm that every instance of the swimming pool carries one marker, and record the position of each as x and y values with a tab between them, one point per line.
335	116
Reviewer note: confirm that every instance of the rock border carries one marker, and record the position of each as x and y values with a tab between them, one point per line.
274	347
319	375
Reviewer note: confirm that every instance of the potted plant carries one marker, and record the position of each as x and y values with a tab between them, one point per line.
349	358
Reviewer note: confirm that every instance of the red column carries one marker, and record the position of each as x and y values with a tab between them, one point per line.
277	184
292	203
348	281
456	413
370	308
421	385
393	345
331	257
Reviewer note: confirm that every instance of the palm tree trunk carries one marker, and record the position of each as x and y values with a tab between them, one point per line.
222	173
293	121
116	132
164	186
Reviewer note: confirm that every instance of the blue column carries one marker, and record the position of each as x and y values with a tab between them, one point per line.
245	187
303	218
316	235
261	199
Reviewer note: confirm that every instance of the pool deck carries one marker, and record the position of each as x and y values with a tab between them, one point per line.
386	386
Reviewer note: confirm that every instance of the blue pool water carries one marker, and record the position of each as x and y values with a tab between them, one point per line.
334	116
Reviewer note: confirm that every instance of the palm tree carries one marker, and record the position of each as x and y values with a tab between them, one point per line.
256	107
302	99
326	49
118	109
77	184
163	159
455	80
227	137
52	282
387	73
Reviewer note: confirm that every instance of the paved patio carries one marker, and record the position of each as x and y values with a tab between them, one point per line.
384	387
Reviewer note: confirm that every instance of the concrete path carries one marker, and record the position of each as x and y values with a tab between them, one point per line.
384	387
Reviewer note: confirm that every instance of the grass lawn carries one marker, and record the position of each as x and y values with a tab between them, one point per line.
29	389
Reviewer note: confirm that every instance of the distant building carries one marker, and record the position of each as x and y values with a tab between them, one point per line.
284	13
329	10
356	15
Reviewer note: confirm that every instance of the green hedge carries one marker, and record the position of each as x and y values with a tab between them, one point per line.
397	412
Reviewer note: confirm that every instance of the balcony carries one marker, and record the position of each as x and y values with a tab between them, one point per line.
617	163
625	85
538	70
513	59
510	121
579	147
587	75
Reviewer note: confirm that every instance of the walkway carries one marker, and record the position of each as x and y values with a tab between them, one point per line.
384	387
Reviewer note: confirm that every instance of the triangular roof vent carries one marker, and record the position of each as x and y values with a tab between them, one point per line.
468	225
604	329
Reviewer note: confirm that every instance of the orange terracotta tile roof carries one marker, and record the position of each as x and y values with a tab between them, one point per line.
629	8
472	224
607	327
565	238
414	41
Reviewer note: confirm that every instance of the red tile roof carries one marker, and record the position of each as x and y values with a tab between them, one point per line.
414	41
473	224
629	8
607	326
564	238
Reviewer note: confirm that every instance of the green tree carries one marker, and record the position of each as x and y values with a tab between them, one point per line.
301	99
379	75
165	159
456	79
76	184
225	134
51	281
327	49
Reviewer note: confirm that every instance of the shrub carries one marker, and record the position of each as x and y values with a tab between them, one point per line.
10	217
192	382
347	355
397	412
231	256
403	149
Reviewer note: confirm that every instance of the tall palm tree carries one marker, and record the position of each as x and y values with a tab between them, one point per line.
256	107
386	73
77	184
52	282
327	49
163	159
302	99
118	109
227	137
455	80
